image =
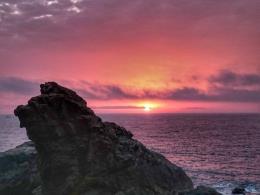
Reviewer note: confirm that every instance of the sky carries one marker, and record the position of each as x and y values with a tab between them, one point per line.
124	56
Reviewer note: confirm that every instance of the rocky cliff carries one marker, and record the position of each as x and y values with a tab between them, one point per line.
18	170
81	155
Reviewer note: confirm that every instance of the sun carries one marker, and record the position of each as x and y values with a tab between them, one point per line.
147	107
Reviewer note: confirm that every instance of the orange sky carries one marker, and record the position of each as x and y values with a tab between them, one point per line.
176	56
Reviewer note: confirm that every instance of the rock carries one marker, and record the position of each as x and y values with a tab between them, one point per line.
238	190
201	190
18	170
81	155
37	191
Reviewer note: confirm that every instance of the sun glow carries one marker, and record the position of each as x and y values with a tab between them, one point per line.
147	107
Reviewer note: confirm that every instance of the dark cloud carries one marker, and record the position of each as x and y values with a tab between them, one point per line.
118	107
98	91
236	95
113	92
21	86
186	93
216	94
18	86
226	77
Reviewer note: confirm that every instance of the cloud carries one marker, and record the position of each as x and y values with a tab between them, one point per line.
186	93
115	91
227	77
106	21
225	86
105	92
18	86
21	86
217	94
236	95
119	107
96	91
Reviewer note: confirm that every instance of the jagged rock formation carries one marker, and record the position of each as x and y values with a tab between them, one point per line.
18	170
81	155
19	174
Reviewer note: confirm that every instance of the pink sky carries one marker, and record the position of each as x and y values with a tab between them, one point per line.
176	56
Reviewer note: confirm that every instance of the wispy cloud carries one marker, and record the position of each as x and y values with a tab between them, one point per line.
226	91
118	107
18	86
224	86
105	92
227	77
217	94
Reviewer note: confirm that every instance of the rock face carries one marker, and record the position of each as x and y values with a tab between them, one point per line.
81	155
18	170
19	174
238	190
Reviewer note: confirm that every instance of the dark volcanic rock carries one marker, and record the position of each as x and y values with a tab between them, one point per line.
18	170
81	155
238	190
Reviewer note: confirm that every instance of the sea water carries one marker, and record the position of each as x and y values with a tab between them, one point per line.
217	150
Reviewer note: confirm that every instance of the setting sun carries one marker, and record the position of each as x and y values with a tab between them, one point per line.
147	107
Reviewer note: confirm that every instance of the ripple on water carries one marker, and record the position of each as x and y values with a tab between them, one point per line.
219	150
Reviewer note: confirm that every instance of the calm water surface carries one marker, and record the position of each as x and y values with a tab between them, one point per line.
219	150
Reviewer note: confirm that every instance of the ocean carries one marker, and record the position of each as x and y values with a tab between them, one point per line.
217	150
